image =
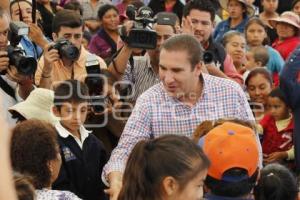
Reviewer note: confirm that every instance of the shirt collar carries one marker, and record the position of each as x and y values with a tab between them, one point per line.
84	133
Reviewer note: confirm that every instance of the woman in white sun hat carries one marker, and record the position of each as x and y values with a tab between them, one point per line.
287	26
38	105
239	13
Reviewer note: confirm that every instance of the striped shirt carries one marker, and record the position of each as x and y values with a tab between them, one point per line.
141	75
156	114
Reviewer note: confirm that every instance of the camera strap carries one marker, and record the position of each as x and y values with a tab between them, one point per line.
7	88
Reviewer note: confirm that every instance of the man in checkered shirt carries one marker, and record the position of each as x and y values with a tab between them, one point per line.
183	99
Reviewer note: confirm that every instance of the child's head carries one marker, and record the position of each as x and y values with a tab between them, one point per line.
34	151
237	8
255	32
287	25
71	100
257	57
276	182
234	154
269	6
168	167
296	7
277	105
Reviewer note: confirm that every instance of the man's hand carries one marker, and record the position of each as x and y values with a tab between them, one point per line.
276	156
36	35
50	56
4	61
115	183
187	26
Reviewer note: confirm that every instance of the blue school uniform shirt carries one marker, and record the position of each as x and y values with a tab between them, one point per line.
224	26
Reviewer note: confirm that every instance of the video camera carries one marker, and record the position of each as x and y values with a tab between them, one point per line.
66	49
142	35
25	65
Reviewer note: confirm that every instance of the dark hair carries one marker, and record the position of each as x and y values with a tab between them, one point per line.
232	188
72	91
187	43
228	35
24	187
33	145
277	92
260	54
87	35
276	183
294	3
67	18
74	5
104	8
259	70
201	5
152	160
256	20
17	1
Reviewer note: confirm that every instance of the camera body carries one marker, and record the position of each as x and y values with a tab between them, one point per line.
25	65
142	35
95	82
66	49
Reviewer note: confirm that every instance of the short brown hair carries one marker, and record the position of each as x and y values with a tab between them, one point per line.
33	145
187	43
67	18
260	54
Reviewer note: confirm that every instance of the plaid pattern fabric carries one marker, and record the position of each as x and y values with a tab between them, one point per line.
157	114
141	75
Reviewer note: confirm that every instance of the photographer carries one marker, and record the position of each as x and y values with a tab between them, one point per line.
14	85
144	72
33	44
66	59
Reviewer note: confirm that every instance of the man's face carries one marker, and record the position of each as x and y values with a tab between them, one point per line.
4	26
74	35
176	74
203	26
163	33
25	9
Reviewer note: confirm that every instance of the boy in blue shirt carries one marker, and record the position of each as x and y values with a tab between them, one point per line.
83	155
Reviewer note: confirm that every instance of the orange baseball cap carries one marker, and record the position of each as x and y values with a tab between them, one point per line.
231	145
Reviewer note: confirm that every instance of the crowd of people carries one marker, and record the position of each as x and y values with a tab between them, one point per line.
149	99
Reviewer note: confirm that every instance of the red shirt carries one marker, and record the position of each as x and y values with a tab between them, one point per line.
286	47
274	140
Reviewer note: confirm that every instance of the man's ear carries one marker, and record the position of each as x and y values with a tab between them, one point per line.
54	36
198	68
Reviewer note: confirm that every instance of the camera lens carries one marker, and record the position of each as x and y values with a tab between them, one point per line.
208	57
70	52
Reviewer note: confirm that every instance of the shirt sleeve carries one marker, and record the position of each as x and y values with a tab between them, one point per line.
138	128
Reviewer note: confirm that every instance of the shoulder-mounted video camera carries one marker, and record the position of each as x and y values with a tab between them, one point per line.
142	35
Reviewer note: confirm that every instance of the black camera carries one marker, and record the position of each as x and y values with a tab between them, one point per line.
141	35
95	83
208	57
25	65
66	49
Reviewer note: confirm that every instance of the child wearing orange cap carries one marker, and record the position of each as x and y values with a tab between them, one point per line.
233	151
